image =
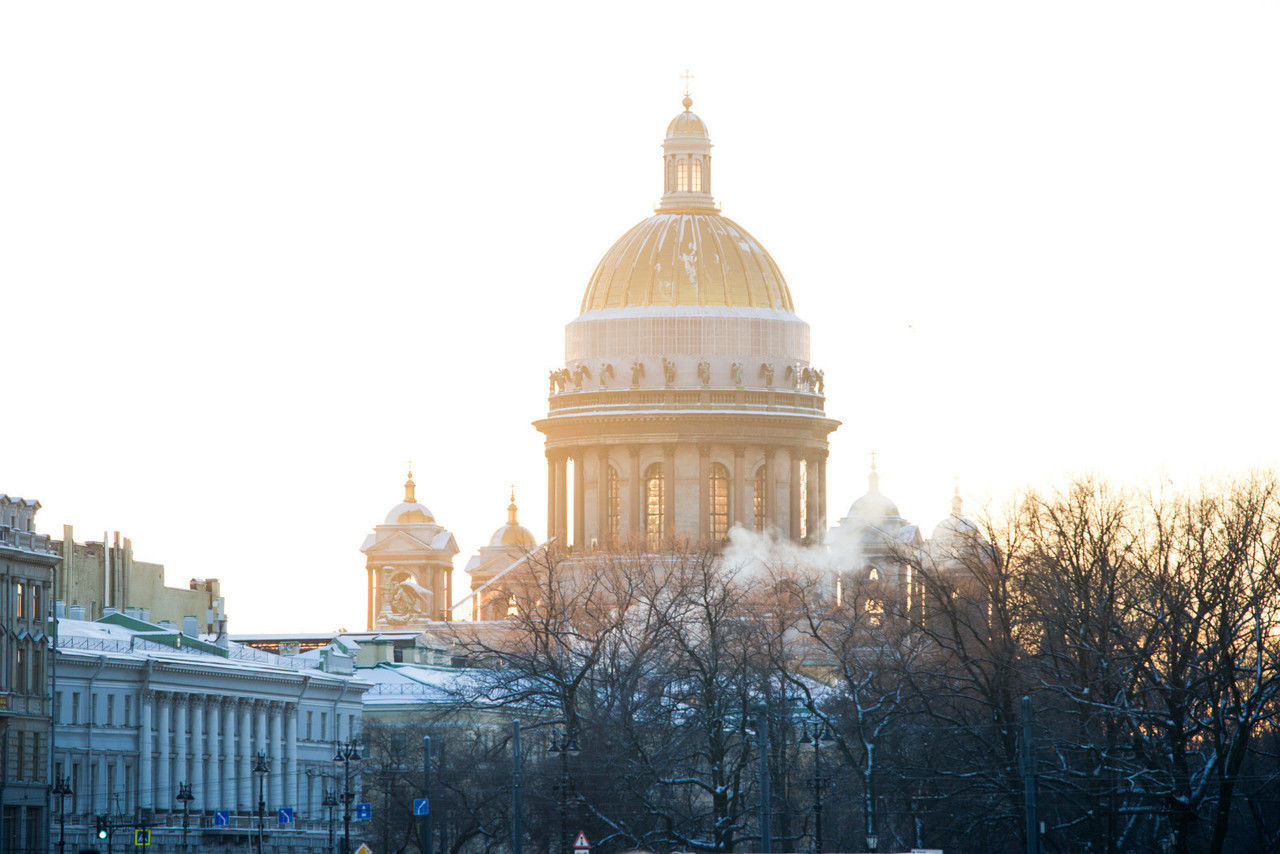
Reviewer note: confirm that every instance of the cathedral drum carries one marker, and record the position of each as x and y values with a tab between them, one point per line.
706	412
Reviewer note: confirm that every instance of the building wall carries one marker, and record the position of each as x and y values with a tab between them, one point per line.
133	727
99	575
26	560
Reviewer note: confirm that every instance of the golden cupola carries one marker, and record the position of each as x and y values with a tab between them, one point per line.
687	254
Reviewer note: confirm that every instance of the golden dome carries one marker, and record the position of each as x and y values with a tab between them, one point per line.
687	124
513	533
687	259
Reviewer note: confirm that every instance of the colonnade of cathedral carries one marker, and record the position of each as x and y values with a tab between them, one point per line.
659	493
210	743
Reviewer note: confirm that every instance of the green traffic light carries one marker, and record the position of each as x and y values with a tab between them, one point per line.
102	834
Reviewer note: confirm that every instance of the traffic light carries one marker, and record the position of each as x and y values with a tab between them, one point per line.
102	827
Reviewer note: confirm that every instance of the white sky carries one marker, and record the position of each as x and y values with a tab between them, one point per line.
254	256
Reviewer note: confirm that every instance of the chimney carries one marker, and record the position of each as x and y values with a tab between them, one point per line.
132	612
191	627
167	625
108	611
77	612
223	639
144	614
60	609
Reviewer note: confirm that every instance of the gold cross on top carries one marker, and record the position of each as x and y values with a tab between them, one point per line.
688	78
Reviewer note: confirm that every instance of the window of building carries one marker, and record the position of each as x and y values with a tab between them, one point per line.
653	500
324	726
682	176
111	710
758	499
36	613
613	503
697	176
75	707
128	710
19	602
20	670
309	716
719	504
19	739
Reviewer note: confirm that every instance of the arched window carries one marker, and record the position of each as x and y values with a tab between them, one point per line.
653	495
759	499
719	491
697	176
682	176
613	504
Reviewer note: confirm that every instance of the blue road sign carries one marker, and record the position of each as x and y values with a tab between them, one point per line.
421	807
284	815
222	818
364	811
141	836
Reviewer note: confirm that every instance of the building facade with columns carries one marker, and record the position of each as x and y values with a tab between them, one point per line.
142	710
687	402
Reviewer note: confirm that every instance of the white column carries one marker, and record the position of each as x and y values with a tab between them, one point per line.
146	749
291	756
244	800
197	751
231	791
181	749
260	746
101	797
164	753
213	766
277	757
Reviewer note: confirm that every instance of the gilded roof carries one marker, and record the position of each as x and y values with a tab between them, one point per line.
687	259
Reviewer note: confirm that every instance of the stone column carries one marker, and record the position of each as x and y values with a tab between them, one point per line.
230	794
704	493
822	494
274	783
738	504
291	756
603	534
793	493
770	488
197	752
669	493
245	773
164	754
813	531
181	745
562	501
213	767
579	501
260	746
636	511
146	750
551	495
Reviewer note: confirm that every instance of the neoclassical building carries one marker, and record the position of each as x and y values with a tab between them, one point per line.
144	710
687	402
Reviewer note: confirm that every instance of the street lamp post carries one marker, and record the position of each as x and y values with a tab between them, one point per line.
184	795
566	747
346	753
330	801
61	790
821	736
261	767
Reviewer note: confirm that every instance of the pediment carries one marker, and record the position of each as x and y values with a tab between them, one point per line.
397	541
